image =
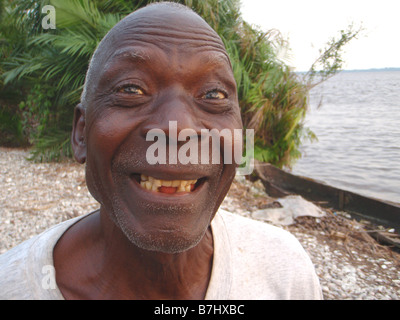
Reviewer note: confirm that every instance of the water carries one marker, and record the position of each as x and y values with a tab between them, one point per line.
358	130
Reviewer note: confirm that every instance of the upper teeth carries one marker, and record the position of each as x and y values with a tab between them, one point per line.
150	183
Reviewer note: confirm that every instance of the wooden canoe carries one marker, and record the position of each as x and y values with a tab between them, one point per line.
279	183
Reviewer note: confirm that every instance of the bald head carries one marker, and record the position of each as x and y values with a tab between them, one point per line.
164	24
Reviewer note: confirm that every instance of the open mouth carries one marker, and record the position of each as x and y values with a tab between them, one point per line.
167	186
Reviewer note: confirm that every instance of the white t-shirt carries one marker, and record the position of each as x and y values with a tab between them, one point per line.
252	260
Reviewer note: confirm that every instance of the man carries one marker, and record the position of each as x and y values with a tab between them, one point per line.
158	233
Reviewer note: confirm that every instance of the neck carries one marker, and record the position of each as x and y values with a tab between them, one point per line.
114	268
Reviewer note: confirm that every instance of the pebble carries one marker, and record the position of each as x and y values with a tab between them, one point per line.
34	197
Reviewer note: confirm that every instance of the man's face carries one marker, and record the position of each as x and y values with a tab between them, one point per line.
159	73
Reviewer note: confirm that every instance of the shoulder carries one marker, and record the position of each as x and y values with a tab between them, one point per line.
26	269
13	270
257	234
267	261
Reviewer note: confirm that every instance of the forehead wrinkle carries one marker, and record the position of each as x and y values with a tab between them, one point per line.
200	33
131	49
164	39
169	23
174	29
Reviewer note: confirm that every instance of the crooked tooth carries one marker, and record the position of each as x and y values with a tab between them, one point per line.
181	189
148	185
184	183
143	177
187	188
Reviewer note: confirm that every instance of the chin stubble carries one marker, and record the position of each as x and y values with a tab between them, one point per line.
172	242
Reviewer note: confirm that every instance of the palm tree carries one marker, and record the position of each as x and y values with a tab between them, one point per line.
52	68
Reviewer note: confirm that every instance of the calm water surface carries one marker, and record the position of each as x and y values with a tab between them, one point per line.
358	130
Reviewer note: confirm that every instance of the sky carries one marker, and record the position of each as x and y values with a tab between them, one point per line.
309	24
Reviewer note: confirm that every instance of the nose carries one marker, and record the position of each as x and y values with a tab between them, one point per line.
174	113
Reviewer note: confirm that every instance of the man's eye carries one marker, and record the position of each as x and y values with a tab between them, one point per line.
215	94
131	90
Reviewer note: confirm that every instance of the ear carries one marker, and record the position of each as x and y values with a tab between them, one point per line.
78	136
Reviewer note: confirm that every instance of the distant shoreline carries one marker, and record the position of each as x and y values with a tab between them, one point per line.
372	70
360	70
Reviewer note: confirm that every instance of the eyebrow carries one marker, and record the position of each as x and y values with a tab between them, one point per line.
216	59
221	58
131	54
